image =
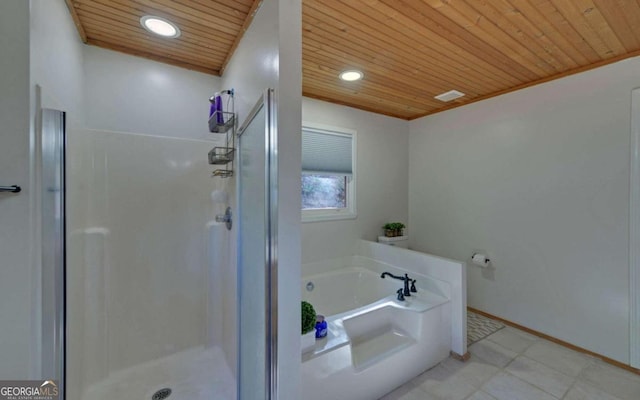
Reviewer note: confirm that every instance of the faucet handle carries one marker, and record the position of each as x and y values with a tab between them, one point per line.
413	286
400	295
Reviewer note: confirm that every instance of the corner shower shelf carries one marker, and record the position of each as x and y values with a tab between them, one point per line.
223	122
221	155
221	127
223	173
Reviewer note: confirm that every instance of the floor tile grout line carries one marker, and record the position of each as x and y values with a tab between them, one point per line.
484	382
580	374
570	388
519	353
531	384
522	354
590	361
474	393
574	379
504	369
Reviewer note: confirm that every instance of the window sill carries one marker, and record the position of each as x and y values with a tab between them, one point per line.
322	217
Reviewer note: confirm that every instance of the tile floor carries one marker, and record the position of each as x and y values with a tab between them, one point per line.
514	365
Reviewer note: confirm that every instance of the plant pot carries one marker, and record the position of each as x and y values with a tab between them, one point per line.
389	232
308	341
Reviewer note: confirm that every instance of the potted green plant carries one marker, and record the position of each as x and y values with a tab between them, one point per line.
388	230
393	229
308	326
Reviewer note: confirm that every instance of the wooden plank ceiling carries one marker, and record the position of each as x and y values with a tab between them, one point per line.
412	50
409	50
211	29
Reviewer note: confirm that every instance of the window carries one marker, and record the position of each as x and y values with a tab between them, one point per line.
328	173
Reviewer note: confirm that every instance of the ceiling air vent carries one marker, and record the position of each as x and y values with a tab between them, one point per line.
450	95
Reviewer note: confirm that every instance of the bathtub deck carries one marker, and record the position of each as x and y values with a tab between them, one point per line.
376	348
338	337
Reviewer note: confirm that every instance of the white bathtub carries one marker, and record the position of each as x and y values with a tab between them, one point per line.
375	342
346	290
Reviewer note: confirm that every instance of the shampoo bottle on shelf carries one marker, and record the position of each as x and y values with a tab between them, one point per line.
212	105
218	108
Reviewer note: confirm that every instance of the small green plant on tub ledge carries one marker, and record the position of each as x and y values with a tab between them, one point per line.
308	317
393	229
308	326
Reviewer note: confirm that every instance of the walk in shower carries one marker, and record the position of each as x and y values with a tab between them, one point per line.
162	301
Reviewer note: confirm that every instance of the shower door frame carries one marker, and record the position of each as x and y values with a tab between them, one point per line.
51	128
268	102
634	233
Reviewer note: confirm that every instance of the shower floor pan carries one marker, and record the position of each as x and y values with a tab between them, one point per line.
197	373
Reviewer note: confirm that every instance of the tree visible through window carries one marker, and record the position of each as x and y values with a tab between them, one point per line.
324	191
328	173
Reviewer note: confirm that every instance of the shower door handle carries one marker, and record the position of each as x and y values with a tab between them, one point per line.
11	189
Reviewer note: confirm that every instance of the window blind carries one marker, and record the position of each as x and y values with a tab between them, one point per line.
326	152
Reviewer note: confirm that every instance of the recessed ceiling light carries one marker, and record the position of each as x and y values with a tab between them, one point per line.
450	95
160	26
351	75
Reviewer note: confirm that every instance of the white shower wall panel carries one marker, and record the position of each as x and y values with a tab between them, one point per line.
145	272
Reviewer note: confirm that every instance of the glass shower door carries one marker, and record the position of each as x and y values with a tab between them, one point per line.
257	261
52	212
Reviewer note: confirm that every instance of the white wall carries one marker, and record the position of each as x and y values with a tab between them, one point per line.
381	180
133	94
40	47
56	59
252	69
145	258
539	179
56	82
15	214
269	56
289	98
